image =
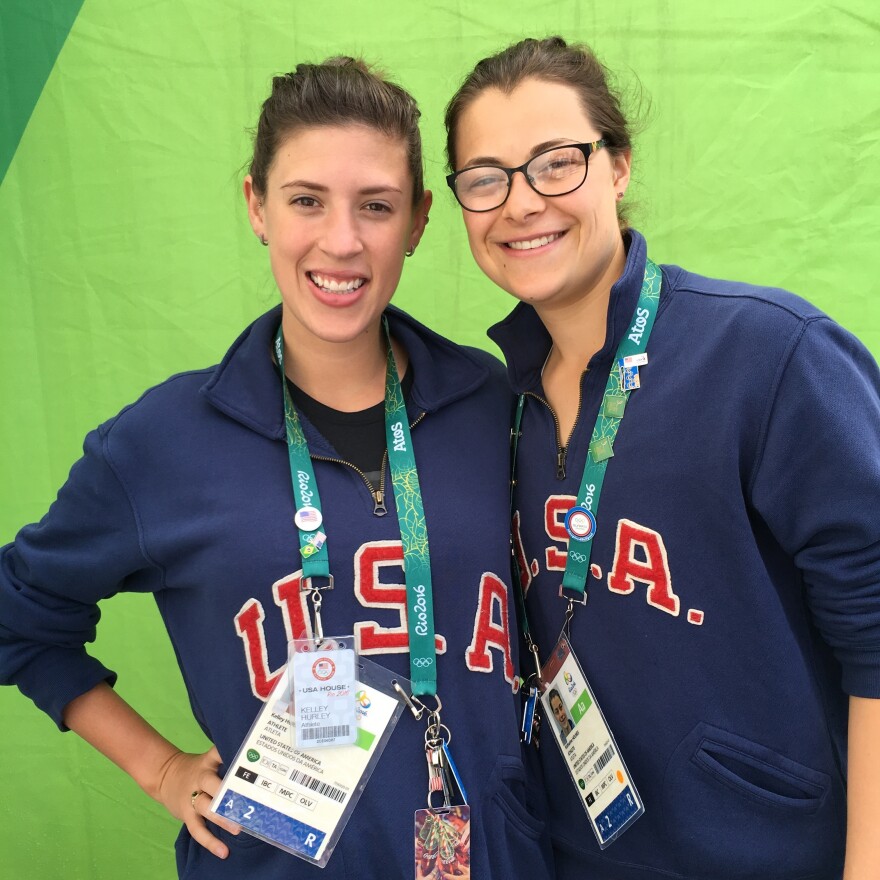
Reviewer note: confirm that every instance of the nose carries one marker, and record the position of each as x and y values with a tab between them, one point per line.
522	200
340	236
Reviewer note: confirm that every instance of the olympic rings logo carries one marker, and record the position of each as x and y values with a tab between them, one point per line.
422	662
577	557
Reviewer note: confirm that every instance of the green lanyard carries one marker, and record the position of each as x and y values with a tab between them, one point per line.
580	521
410	516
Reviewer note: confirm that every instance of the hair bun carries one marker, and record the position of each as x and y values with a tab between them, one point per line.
345	61
339	91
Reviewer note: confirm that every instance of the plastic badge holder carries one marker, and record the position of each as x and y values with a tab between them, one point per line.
606	790
300	800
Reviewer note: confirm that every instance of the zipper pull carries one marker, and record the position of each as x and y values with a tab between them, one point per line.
379	503
560	463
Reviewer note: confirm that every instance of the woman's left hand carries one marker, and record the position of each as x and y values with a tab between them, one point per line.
186	788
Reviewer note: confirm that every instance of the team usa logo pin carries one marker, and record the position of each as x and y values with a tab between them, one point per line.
580	523
323	669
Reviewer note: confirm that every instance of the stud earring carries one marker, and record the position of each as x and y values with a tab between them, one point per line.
619	196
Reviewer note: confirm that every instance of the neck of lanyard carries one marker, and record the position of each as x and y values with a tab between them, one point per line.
410	516
630	352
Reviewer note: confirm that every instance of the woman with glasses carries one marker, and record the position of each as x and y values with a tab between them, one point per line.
697	468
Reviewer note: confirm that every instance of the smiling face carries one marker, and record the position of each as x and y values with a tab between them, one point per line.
338	215
559	710
547	251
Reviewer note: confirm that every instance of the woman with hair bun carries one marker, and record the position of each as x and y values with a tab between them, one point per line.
700	460
323	451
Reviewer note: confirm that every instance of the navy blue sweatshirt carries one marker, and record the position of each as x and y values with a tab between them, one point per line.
186	494
734	601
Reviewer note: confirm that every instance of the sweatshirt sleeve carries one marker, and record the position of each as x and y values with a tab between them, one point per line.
817	486
52	576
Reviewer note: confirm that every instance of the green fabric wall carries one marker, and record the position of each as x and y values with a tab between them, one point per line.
126	254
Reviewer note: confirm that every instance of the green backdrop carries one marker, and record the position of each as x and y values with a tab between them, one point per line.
126	254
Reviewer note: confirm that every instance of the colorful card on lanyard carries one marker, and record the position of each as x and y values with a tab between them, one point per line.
443	842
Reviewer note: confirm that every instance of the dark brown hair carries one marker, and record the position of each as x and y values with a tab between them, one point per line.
339	91
555	61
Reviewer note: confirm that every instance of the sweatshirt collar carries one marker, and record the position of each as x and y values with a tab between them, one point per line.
246	386
525	342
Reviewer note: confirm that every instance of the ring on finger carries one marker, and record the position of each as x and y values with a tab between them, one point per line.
194	797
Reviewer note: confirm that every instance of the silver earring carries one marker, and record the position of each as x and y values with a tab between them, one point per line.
264	241
410	252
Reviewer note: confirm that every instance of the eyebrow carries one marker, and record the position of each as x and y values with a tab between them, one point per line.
538	148
318	187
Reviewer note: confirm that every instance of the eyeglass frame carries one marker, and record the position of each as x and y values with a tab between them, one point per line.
586	148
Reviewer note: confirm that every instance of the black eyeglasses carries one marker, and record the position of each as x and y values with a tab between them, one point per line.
555	172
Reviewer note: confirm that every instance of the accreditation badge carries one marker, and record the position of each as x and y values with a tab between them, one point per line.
300	800
605	789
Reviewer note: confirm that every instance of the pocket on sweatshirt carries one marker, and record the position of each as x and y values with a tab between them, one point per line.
195	862
734	806
514	841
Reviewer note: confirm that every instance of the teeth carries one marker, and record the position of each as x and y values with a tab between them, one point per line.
535	242
336	286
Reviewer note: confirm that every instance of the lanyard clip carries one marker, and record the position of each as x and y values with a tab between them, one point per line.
316	582
572	595
417	711
313	586
533	649
315	596
433	714
569	613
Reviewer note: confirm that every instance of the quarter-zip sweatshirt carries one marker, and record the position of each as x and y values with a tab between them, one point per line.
734	599
186	494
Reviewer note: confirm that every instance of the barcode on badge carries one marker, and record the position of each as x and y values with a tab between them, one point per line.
339	730
604	758
309	782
